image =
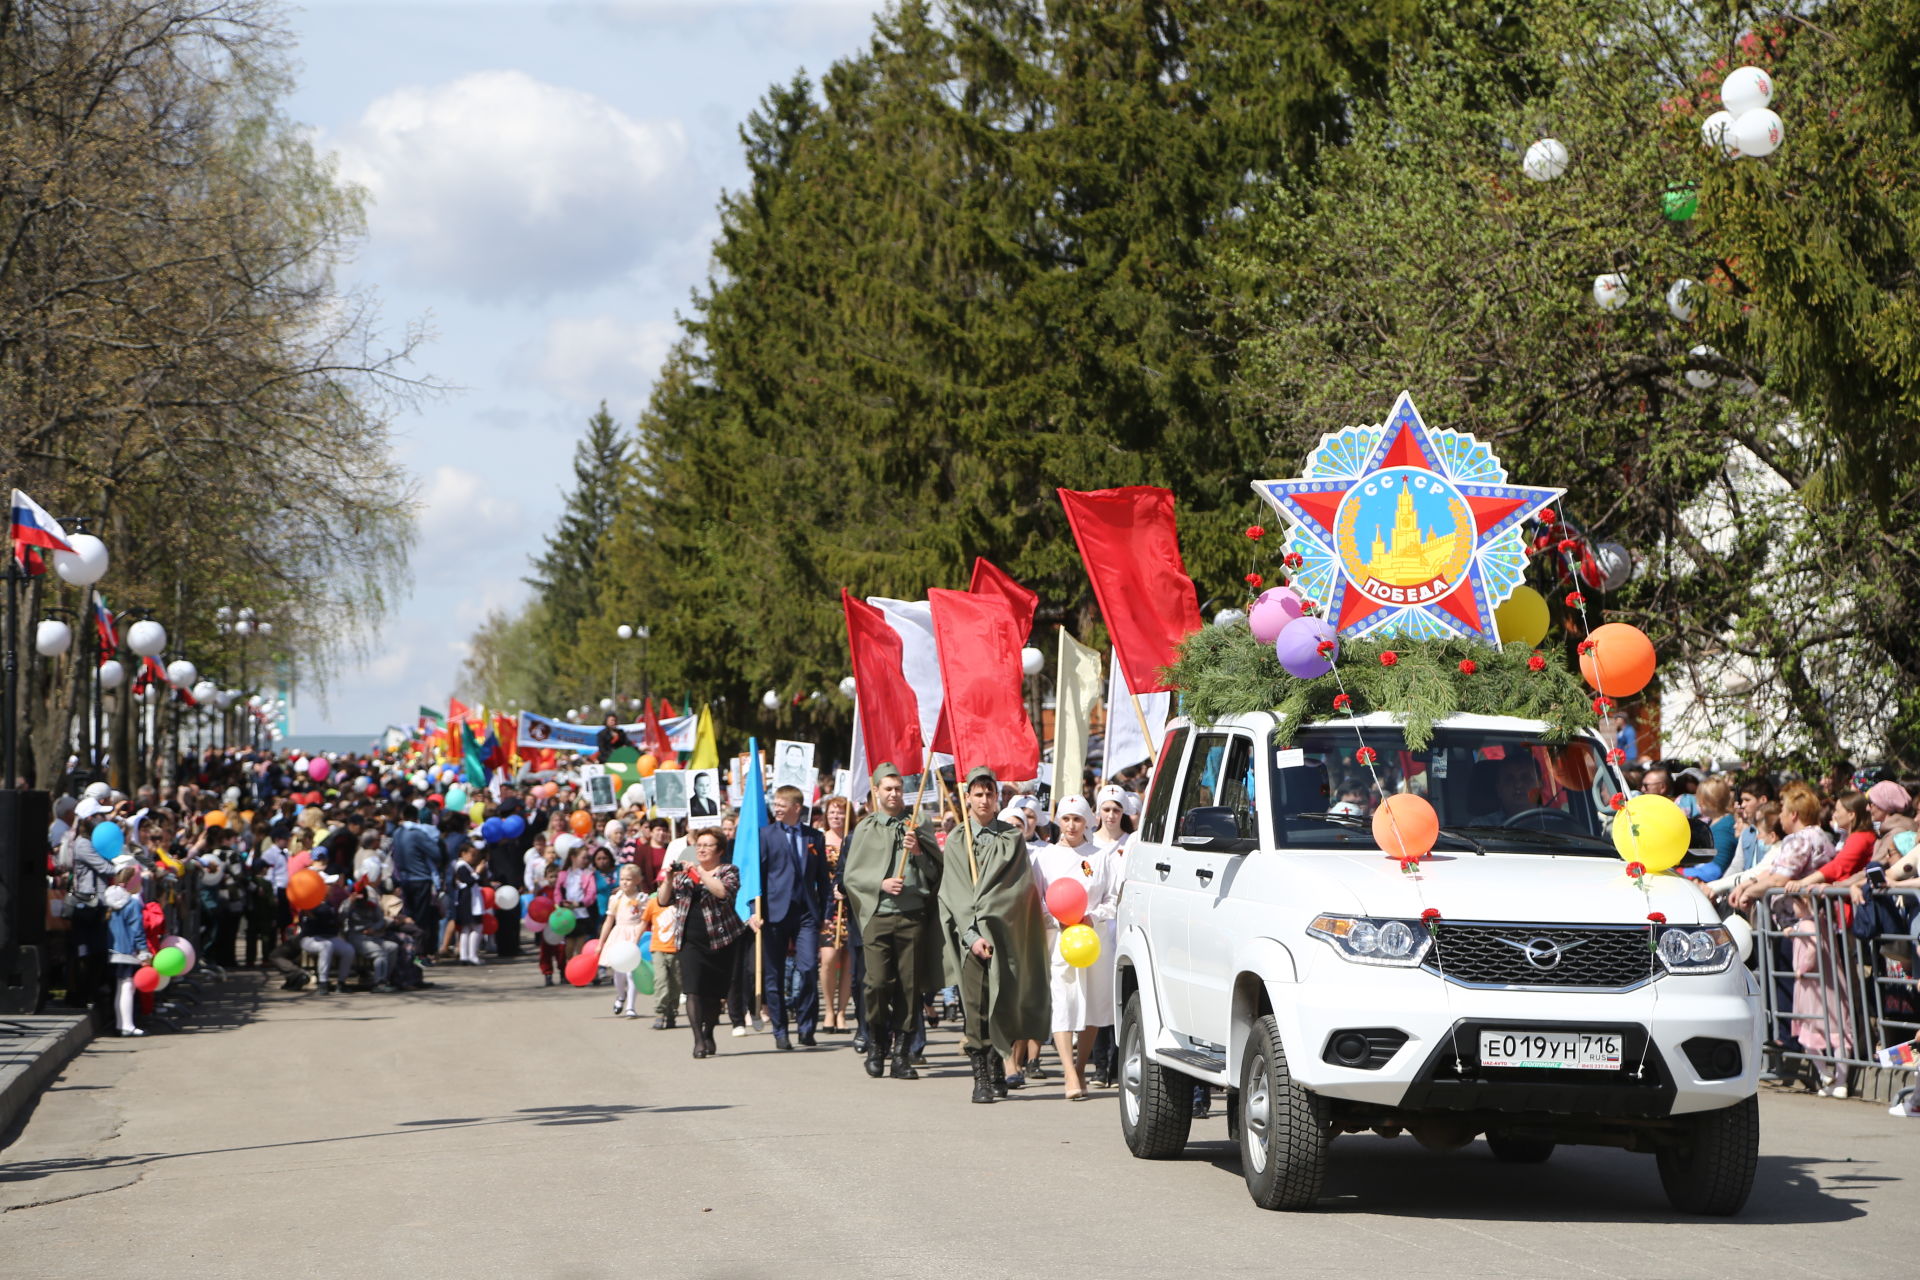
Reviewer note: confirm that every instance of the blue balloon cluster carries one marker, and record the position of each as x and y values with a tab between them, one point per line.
109	841
511	827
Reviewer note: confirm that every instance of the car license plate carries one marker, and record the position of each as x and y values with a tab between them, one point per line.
1575	1050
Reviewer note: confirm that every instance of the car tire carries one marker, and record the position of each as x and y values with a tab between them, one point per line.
1283	1128
1710	1169
1511	1150
1156	1102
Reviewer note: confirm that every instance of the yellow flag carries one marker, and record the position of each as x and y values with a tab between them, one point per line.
706	755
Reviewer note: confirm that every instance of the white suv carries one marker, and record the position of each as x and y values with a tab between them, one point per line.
1267	945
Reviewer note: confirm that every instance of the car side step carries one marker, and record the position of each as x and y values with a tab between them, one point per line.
1194	1058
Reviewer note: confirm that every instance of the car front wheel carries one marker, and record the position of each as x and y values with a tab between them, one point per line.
1710	1169
1283	1128
1156	1103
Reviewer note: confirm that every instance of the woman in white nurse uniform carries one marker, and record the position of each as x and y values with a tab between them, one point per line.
1082	998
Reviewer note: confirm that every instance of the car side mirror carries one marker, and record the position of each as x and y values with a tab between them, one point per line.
1212	827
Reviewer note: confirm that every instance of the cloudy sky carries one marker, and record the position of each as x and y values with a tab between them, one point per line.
544	179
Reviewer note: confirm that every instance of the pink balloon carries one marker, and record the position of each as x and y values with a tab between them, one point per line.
186	948
1276	607
1067	900
318	768
299	862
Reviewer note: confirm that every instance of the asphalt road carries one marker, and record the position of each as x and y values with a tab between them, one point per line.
494	1127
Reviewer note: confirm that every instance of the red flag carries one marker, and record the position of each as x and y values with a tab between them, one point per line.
986	717
991	579
456	712
540	759
666	709
1132	553
505	734
889	716
659	746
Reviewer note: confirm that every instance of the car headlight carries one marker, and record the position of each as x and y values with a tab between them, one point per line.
1399	943
1686	949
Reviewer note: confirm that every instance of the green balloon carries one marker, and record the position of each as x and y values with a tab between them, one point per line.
1679	203
170	962
562	921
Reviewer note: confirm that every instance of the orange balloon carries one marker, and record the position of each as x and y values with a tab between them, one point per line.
581	823
646	764
1406	827
1619	660
218	818
306	890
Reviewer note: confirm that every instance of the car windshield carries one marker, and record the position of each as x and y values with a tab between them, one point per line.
1504	791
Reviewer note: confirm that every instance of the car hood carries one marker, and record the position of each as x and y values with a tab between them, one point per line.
1531	888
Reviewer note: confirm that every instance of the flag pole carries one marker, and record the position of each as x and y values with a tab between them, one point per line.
921	790
973	866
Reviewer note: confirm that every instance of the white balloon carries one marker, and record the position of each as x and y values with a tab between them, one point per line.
1227	617
1032	661
1616	566
621	956
606	704
848	686
204	691
770	700
624	631
112	675
146	638
506	897
1758	133
547	936
181	673
573	713
52	638
86	564
1717	132
1678	306
1701	379
1545	160
1746	89
1610	291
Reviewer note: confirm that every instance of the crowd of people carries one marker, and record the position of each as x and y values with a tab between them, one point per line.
864	912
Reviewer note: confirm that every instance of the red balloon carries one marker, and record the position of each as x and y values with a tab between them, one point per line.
539	909
1067	900
591	949
486	896
146	978
489	925
580	969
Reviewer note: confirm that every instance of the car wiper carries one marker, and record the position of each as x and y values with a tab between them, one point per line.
1353	822
1525	835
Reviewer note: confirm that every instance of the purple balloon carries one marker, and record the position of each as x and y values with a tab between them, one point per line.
1276	607
1298	647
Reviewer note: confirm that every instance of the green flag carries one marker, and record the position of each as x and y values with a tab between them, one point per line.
472	758
428	713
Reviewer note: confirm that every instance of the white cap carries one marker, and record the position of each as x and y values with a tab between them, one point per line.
1077	806
1110	792
88	807
97	791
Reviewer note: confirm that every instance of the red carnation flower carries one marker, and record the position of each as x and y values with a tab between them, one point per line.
1324	648
1254	580
1617	756
1550	516
1618	800
1602	705
1636	869
1575	599
1657	917
1293	559
1468	666
1255	532
1585	647
1536	663
1430	915
1341	702
1366	755
1388	658
1569	545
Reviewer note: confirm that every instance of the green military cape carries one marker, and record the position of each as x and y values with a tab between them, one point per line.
871	855
1007	910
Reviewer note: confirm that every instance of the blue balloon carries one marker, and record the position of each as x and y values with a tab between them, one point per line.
456	799
490	830
109	841
514	825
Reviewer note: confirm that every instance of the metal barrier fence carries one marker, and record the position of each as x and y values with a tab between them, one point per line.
1834	998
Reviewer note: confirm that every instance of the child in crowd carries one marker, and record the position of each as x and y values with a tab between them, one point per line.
626	907
129	943
469	905
663	922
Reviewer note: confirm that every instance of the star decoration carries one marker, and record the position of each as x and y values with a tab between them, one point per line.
1409	531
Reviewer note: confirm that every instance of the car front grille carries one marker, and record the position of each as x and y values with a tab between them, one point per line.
1603	958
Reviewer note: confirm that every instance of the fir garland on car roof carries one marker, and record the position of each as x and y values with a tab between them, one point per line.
1223	670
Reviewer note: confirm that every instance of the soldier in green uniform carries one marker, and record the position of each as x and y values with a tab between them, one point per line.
891	873
996	941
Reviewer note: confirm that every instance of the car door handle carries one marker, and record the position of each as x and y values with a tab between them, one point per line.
1205	873
1164	868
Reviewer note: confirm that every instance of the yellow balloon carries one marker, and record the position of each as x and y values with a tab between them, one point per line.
1079	945
1652	831
1522	619
476	812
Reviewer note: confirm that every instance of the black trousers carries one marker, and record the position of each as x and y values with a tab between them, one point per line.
423	904
506	940
87	946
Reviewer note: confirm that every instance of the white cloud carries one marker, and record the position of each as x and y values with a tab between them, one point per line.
456	500
501	186
592	358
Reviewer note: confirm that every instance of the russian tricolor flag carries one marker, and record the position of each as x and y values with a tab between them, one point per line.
33	527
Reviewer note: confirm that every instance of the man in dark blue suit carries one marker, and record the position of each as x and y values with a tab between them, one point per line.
794	887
